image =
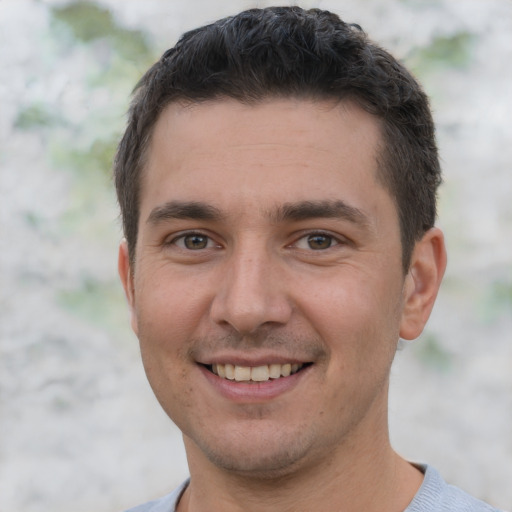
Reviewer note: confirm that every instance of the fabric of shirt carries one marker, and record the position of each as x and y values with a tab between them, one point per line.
434	495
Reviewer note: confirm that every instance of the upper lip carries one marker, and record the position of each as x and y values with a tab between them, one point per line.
238	359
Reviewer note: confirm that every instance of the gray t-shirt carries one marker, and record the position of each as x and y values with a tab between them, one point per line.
434	495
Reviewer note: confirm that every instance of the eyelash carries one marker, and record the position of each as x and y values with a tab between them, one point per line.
175	241
306	237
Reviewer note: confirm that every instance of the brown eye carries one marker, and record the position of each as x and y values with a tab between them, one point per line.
319	241
195	242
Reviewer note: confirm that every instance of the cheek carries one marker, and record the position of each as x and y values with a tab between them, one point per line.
165	363
358	317
165	320
169	304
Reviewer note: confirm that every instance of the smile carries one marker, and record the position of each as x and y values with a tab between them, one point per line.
254	373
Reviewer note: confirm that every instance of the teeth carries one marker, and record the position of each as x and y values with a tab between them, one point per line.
259	373
242	373
255	373
229	370
274	371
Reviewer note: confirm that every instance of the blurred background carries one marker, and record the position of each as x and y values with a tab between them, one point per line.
79	427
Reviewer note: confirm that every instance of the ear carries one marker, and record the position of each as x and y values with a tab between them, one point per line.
422	282
126	275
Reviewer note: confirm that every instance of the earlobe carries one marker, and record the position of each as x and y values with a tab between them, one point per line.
422	282
126	275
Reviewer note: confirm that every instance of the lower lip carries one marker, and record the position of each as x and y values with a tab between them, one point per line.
245	392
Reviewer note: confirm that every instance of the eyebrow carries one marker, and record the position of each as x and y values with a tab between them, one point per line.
301	210
334	209
184	210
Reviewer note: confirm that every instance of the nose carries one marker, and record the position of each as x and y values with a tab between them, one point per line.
251	293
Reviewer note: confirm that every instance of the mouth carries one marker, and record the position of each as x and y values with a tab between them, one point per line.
261	373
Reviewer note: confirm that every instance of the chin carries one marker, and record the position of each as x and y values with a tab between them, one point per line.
260	456
263	467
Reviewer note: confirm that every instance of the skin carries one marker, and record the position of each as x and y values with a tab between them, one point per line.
264	236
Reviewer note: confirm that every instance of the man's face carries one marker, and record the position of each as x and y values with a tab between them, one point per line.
266	245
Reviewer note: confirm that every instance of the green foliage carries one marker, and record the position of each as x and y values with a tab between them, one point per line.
114	58
87	149
34	117
32	219
430	352
96	302
497	301
443	52
83	162
91	196
502	293
89	22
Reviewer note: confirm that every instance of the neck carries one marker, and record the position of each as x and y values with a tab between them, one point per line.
363	474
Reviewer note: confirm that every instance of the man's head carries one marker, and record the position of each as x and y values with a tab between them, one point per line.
287	52
269	291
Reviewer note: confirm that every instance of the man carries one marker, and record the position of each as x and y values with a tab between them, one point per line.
277	183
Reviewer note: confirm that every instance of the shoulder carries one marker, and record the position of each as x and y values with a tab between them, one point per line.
435	495
165	504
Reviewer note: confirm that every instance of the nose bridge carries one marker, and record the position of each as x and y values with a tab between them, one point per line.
250	291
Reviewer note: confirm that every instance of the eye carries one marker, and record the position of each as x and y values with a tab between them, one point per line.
316	242
193	242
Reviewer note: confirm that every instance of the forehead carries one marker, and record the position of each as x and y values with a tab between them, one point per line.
270	121
275	151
